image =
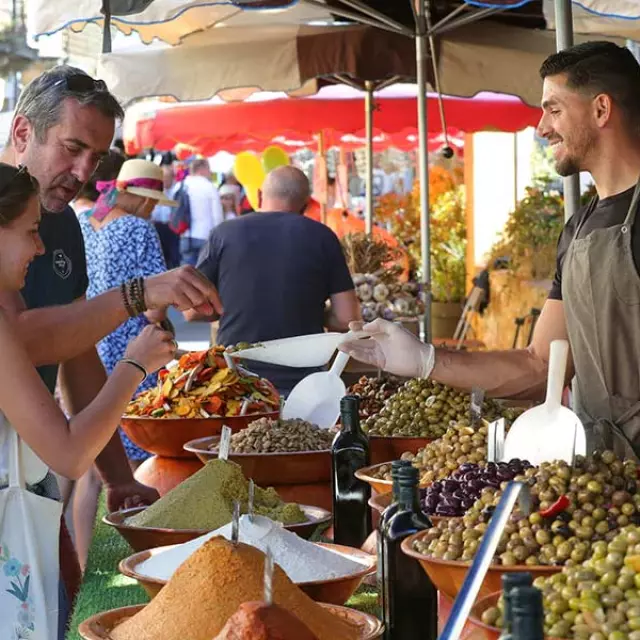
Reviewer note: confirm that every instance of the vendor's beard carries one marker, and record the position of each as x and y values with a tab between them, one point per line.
567	167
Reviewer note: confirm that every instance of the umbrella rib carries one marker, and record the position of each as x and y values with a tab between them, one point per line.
351	15
377	15
467	19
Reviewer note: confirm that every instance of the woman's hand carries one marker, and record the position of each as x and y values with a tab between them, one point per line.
391	347
153	348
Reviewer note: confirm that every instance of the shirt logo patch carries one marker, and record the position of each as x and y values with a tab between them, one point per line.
62	264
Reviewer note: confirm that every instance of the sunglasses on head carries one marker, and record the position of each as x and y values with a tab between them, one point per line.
80	83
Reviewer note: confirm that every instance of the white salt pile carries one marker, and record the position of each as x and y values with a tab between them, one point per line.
302	561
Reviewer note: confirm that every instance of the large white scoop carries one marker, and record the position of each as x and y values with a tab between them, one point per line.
316	398
549	431
313	350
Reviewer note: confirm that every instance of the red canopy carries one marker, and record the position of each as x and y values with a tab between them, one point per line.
337	111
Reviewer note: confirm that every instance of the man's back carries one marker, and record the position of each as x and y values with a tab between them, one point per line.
274	272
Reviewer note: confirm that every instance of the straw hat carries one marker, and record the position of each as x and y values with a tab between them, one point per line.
143	178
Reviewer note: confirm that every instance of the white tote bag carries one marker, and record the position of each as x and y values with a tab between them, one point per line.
29	560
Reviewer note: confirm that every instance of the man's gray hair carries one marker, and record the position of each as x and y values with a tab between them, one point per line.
42	99
288	185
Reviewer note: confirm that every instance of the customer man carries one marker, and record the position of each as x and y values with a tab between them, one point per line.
62	128
591	118
206	210
275	270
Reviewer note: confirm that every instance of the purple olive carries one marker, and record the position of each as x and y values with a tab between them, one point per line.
451	502
446	511
431	502
492	467
436	487
476	485
459	494
466	504
450	485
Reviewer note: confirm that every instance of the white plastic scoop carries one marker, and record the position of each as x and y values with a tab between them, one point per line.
549	431
316	398
313	350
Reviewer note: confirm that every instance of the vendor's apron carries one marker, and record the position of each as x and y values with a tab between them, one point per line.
601	296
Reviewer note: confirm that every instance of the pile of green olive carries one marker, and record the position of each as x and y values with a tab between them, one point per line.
573	509
596	600
426	409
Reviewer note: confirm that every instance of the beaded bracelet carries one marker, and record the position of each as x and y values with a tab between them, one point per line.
125	300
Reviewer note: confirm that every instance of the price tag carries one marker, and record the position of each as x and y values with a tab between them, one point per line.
268	578
252	490
235	523
500	435
225	443
245	406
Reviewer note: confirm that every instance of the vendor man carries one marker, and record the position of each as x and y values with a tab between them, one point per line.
591	119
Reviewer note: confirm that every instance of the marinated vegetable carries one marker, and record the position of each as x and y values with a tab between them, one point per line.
202	386
374	392
424	408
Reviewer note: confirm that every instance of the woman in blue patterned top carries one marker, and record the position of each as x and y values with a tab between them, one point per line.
121	243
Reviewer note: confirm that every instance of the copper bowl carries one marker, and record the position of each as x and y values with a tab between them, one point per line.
448	575
392	447
333	591
379	486
143	538
381	501
482	631
166	436
100	626
267	469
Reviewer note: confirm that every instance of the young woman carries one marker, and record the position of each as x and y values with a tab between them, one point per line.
66	446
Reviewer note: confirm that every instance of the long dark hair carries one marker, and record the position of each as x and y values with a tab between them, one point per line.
17	186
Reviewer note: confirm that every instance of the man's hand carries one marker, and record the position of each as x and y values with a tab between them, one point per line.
129	495
183	288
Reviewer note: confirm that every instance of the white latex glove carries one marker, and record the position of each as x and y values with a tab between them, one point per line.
390	347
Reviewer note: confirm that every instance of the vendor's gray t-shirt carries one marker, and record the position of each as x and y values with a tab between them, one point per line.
60	275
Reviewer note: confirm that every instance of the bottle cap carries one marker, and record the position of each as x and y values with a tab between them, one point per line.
513	580
408	476
526	602
350	403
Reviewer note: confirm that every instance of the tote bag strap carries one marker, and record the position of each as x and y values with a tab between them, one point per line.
16	472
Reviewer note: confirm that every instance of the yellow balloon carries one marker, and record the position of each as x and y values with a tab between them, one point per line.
274	157
253	195
247	169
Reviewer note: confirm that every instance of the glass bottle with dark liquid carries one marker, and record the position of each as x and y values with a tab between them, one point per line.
411	601
509	582
350	452
527	615
386	515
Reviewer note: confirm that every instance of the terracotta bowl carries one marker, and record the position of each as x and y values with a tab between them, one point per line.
334	591
391	448
99	627
448	575
482	631
143	538
381	501
267	469
166	437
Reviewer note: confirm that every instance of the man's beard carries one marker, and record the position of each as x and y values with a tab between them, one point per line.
567	167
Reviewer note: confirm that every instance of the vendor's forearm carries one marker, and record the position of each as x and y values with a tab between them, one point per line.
77	327
517	374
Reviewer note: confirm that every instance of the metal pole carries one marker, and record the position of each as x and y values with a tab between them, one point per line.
423	162
368	106
564	39
106	27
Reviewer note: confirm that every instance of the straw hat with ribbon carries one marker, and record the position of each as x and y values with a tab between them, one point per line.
137	177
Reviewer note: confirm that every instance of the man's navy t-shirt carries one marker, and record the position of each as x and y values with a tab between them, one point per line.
60	275
274	272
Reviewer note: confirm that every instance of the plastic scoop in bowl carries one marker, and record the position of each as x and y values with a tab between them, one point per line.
314	350
316	398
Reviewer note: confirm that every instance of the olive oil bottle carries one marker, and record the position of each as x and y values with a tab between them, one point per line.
527	615
350	452
510	581
396	465
410	600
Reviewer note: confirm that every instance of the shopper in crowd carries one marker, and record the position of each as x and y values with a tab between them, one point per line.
205	209
229	198
47	438
120	244
275	271
169	240
62	128
89	193
591	119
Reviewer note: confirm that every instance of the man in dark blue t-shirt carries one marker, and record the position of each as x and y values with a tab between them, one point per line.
275	271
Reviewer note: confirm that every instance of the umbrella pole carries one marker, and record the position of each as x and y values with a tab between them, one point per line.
564	39
368	105
106	27
423	163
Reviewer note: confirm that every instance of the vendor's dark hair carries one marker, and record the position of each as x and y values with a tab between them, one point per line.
17	186
601	67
